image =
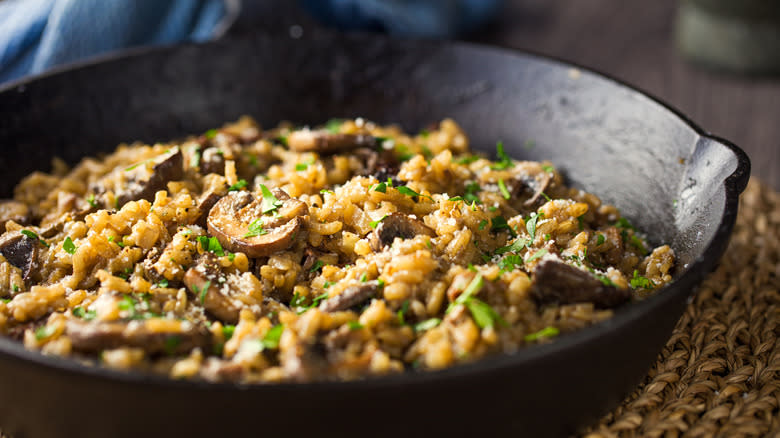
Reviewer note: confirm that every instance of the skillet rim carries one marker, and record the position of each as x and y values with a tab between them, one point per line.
686	283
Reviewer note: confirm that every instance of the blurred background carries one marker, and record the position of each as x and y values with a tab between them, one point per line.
715	60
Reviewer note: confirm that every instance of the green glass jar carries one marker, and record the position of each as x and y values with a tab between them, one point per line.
735	35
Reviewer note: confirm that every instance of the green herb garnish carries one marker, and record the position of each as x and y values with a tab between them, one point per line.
33	235
600	239
256	228
204	290
270	202
171	343
402	312
482	224
502	188
324	191
375	223
536	255
68	246
548	168
483	314
639	281
530	225
16	288
355	325
409	192
44	332
163	283
91	200
504	161
304	165
472	189
498	223
195	158
272	336
316	266
467	159
427	324
228	330
334	125
240	184
381	188
510	262
210	134
515	246
364	278
211	244
547	332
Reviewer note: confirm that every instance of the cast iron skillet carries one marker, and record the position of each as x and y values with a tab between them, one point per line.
632	150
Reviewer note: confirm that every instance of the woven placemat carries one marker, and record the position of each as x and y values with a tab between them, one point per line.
719	374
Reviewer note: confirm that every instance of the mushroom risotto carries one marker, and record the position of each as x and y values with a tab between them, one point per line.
297	254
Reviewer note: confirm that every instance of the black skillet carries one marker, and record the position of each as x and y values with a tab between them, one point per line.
663	172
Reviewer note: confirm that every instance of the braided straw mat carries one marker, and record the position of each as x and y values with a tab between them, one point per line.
719	374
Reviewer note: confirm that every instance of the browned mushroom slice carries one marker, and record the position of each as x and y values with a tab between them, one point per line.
351	296
239	223
95	336
22	252
142	184
14	211
531	187
397	225
205	204
325	142
379	164
209	286
212	161
558	282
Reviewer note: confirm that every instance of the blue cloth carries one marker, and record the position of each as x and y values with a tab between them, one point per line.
36	35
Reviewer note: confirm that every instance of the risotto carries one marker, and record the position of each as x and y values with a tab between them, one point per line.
297	254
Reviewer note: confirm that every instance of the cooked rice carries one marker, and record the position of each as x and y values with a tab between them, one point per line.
108	277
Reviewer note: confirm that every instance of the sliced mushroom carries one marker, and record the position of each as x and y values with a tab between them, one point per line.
351	296
531	184
397	225
379	164
142	184
22	252
231	216
558	282
208	286
205	204
212	161
95	336
305	361
325	142
14	211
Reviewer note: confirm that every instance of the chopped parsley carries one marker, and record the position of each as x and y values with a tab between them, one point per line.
256	228
639	281
324	191
364	278
402	312
515	246
580	223
68	246
44	332
530	225
636	242
548	168
210	134
482	224
536	255
427	324
33	235
299	300
510	262
163	283
91	200
404	154
424	133
504	162
547	332
483	314
272	336
502	187
171	343
228	330
375	223
316	266
467	159
304	165
270	202
355	325
498	223
16	288
240	184
204	290
82	313
600	239
472	189
604	279
427	153
127	169
381	187
334	125
409	192
211	244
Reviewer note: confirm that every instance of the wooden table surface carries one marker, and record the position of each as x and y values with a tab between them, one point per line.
634	41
